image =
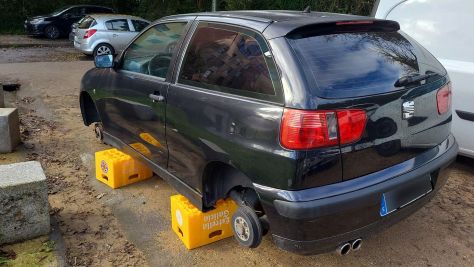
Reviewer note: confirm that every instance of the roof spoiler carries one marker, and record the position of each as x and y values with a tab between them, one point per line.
344	26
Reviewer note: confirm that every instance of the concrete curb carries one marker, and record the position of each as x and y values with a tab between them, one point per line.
59	246
34	45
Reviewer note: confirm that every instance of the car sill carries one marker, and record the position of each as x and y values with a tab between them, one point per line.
182	188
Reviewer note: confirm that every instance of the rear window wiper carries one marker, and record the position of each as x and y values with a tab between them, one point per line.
413	78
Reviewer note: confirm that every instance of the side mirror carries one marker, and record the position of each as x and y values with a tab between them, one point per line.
67	16
104	61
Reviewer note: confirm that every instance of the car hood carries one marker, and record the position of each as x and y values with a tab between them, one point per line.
39	17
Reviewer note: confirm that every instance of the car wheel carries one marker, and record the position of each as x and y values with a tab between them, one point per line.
247	227
103	49
52	32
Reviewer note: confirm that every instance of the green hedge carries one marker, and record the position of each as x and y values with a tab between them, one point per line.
14	12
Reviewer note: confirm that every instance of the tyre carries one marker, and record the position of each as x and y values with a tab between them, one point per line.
103	49
247	228
52	32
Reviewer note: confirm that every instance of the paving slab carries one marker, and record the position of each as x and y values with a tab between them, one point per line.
24	208
9	129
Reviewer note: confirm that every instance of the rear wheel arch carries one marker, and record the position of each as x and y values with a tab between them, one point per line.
220	179
102	44
89	111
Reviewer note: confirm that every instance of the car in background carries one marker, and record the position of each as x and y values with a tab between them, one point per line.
445	29
104	34
59	23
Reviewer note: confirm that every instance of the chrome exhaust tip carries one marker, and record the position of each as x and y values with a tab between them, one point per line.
356	244
344	249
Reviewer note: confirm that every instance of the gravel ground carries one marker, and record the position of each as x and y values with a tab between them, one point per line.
21	48
131	226
29	41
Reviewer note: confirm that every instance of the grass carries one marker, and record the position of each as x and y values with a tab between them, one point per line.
36	252
16	29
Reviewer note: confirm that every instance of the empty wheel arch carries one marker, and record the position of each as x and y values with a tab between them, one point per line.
88	109
221	180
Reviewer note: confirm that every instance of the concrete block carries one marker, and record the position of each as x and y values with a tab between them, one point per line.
24	208
9	129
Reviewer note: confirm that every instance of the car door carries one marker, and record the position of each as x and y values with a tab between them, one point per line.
136	112
225	106
119	33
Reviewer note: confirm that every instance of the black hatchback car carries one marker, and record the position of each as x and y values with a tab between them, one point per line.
59	22
322	127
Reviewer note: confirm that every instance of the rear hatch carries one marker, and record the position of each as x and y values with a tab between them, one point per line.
372	66
82	27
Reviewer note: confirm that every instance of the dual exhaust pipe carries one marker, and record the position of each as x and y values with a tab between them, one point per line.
345	248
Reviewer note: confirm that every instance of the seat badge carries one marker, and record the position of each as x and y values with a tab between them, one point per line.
408	109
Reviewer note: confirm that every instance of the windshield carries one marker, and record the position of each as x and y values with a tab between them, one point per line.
361	63
59	11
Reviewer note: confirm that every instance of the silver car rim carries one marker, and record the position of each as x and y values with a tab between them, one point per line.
241	228
52	32
103	50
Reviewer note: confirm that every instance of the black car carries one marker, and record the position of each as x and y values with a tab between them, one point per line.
322	127
59	23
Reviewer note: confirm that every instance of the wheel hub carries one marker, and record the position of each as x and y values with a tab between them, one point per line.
241	228
103	50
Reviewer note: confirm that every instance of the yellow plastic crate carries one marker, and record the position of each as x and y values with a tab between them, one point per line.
117	169
196	228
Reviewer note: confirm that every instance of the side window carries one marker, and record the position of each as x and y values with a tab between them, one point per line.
82	11
151	52
139	25
74	12
92	10
229	59
117	25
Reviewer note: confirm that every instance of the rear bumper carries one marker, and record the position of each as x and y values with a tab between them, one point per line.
317	220
84	47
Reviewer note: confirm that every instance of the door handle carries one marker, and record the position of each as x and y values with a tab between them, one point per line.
114	35
156	98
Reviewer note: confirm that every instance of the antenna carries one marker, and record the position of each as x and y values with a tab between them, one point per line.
307	9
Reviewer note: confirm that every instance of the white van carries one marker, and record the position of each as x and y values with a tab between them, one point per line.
445	28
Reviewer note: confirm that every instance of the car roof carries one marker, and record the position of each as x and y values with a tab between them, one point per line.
273	23
67	7
107	16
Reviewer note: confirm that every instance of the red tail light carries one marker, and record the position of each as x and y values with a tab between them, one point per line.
351	125
356	22
302	129
89	33
443	98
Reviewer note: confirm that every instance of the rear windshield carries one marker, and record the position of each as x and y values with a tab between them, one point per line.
86	23
361	63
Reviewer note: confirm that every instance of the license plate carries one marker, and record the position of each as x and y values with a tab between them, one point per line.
400	197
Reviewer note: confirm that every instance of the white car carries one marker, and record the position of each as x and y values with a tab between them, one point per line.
445	28
103	34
